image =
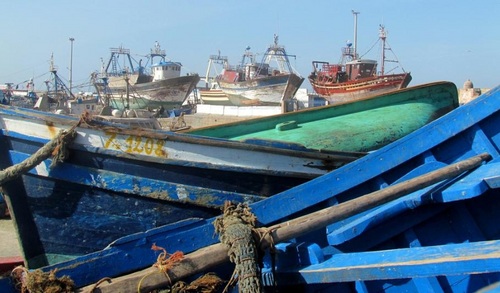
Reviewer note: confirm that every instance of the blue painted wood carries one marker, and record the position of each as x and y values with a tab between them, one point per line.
343	231
428	231
473	184
137	185
419	262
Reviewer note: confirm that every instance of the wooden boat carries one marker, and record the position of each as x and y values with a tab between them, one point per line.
363	125
214	97
163	87
253	83
355	78
211	94
119	180
417	215
11	94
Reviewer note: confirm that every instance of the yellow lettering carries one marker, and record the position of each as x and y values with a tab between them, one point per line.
159	148
112	136
148	147
129	141
138	148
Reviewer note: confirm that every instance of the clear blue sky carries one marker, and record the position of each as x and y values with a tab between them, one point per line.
434	40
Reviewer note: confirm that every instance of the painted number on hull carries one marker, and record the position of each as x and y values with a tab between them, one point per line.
136	145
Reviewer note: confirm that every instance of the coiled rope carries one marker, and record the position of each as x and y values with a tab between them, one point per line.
235	231
41	282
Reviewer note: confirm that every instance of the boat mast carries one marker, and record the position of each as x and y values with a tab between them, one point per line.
113	60
278	53
157	52
71	65
355	13
382	36
214	59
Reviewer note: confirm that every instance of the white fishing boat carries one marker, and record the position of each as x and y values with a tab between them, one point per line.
153	86
253	83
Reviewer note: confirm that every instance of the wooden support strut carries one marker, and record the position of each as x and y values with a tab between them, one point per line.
210	256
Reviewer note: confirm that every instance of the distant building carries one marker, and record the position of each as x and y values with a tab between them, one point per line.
469	92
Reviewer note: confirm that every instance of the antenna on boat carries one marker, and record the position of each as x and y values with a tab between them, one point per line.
355	13
71	65
382	36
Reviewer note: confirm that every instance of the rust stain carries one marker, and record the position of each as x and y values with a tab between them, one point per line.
53	130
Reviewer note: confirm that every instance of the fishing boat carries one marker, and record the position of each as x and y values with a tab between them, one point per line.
214	96
16	95
253	83
355	78
134	87
418	215
211	94
117	180
363	125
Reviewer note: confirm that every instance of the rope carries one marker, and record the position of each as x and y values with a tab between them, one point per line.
39	281
235	231
96	285
164	262
208	283
57	148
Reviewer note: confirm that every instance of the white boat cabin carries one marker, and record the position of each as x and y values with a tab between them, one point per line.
166	70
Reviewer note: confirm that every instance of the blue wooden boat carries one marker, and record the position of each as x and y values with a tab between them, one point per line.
118	180
441	236
438	236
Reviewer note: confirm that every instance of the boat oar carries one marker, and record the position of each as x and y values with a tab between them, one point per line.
210	256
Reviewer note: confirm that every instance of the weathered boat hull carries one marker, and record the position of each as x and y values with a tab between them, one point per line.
353	90
270	90
442	236
363	125
214	97
168	93
119	181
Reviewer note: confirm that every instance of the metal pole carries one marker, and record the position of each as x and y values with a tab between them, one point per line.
71	66
355	13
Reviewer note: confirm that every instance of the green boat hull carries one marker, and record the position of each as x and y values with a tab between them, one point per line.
360	126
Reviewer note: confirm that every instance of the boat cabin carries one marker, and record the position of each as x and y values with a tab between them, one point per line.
356	69
166	70
256	70
247	72
361	68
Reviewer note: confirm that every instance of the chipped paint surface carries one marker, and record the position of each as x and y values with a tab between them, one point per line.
180	149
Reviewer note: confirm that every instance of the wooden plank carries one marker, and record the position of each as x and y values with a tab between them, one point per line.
142	186
417	262
471	185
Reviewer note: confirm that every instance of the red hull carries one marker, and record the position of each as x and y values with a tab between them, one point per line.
352	90
7	263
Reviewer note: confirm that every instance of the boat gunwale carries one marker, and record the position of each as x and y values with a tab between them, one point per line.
288	149
323	112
